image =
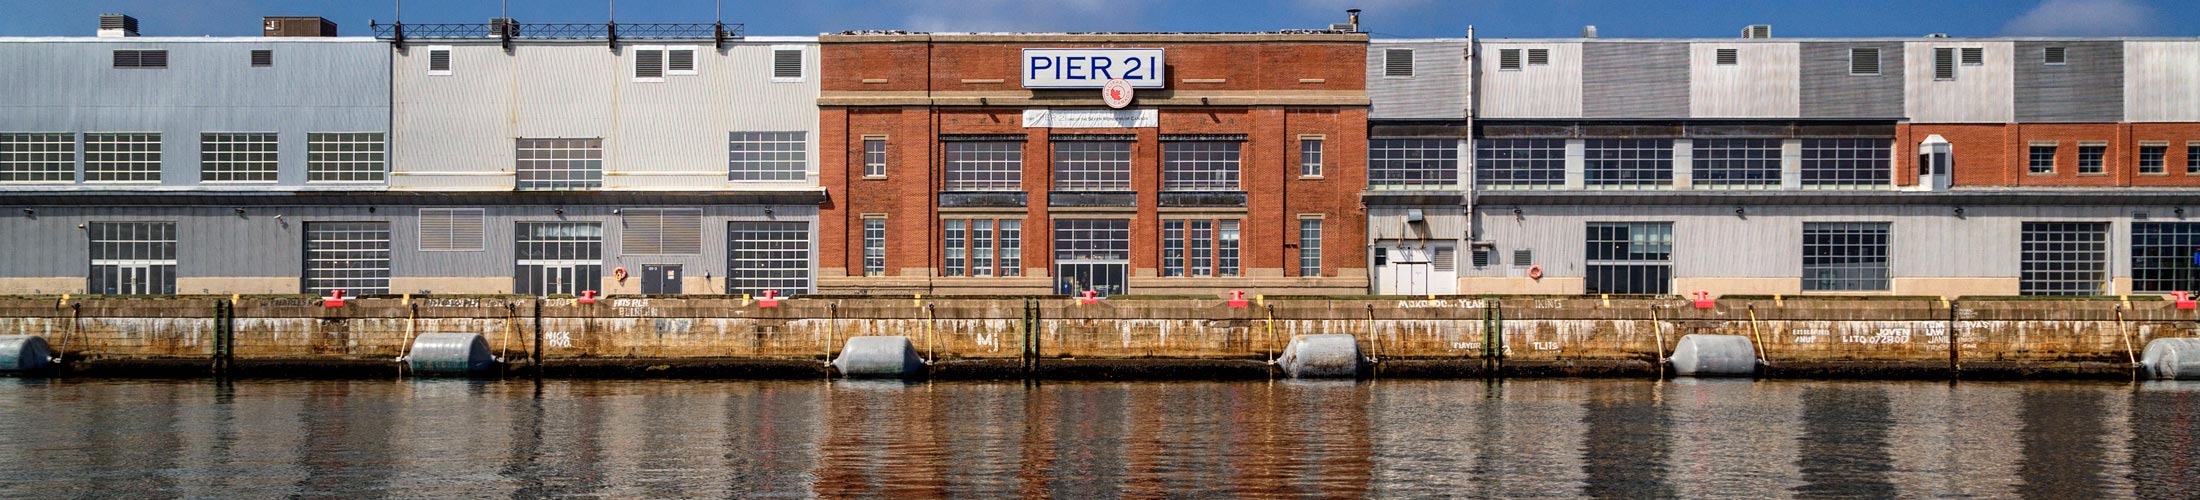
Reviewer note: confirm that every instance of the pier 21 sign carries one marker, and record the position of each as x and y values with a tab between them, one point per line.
1092	68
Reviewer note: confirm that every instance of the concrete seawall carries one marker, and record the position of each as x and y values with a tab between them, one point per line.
1122	337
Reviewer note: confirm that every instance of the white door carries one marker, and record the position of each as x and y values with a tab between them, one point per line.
1401	269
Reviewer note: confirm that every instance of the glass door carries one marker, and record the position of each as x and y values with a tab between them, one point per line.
1105	278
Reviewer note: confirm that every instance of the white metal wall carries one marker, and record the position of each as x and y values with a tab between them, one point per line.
1765	81
1547	91
2161	81
1979	94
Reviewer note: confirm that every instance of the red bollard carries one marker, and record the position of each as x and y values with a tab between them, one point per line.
1089	298
1703	300
2184	300
1237	299
587	297
335	299
771	299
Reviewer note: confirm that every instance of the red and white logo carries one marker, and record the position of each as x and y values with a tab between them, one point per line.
1117	93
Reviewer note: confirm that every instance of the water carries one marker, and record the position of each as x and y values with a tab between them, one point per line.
1518	439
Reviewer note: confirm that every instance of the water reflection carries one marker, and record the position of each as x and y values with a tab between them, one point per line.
1516	439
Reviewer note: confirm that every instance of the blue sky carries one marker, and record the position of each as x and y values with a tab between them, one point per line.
1386	18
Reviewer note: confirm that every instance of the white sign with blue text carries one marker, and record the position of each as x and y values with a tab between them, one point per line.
1092	68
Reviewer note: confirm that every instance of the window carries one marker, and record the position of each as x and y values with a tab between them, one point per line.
1199	165
263	58
767	156
1310	247
786	64
1508	59
1727	57
2055	56
985	166
2043	159
1630	257
1199	247
956	243
767	255
1845	256
2064	258
661	231
1397	62
122	157
2161	256
1523	258
37	157
1012	247
132	258
1944	64
1092	240
971	247
1974	56
349	256
874	246
1737	163
1863	61
557	258
439	61
981	247
1481	257
451	230
649	64
559	164
680	61
1088	165
1520	163
1848	163
874	157
2091	158
1172	248
1628	162
344	157
2192	159
2151	158
1407	164
1310	157
237	157
141	58
1539	57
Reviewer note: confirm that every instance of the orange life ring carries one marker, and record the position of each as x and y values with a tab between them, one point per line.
1535	273
618	273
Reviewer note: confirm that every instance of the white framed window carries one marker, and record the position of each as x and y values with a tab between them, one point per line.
349	256
439	60
344	157
1508	59
787	64
122	157
680	60
767	156
1082	164
1539	57
237	157
1864	61
983	166
1398	63
38	157
451	229
649	63
1310	157
559	164
1200	165
1310	245
132	258
768	255
874	245
874	156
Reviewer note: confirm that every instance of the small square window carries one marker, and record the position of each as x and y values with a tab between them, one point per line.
439	61
2092	159
1729	57
2056	56
1864	61
1539	57
2043	159
787	64
1398	62
1508	59
1974	56
1523	258
680	61
263	58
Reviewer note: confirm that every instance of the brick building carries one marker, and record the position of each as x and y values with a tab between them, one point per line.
990	164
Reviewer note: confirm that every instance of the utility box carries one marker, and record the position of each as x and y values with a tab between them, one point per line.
308	26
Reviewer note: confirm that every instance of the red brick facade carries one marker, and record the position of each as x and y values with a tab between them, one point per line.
1273	90
1999	155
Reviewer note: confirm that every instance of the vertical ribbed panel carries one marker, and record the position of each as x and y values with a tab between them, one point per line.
1437	89
2087	87
1634	80
1534	91
1829	90
1762	82
1979	94
2162	81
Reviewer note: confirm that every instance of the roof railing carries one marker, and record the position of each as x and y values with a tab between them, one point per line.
611	33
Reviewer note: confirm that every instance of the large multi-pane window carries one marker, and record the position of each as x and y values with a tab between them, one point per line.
559	164
768	255
237	157
984	166
1199	165
122	157
1736	163
2042	159
982	247
2152	158
37	157
1092	239
1845	256
767	156
1630	257
1092	165
1520	163
133	258
874	157
2092	158
344	157
1628	162
2064	258
2162	256
1199	247
558	258
1310	157
1310	247
349	256
1848	163
874	247
1406	164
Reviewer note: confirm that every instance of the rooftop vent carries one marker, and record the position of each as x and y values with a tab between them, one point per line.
117	26
502	27
1589	31
1351	24
1937	35
307	26
1757	31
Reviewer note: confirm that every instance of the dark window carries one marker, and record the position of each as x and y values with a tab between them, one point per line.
1845	256
1199	166
1863	61
1199	247
1736	163
1520	163
2192	159
767	255
1092	240
558	258
1508	59
1394	164
349	256
2161	256
680	61
1728	57
141	58
38	157
1944	64
2151	158
1481	256
1630	257
2056	55
1092	165
2064	258
1397	62
984	166
1539	57
439	60
1629	162
263	58
2092	158
1523	258
132	258
2043	159
1974	56
1848	163
649	63
787	63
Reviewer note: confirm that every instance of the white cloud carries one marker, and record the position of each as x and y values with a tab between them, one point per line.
1023	15
2084	18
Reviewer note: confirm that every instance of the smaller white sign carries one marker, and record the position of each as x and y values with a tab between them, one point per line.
1117	94
1091	118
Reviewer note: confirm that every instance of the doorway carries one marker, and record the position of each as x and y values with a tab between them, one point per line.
661	279
1103	278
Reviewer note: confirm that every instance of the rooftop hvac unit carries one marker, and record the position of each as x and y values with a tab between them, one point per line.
503	27
1589	31
1757	31
117	26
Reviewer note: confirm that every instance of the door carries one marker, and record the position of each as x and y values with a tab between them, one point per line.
134	280
1401	270
661	279
1104	278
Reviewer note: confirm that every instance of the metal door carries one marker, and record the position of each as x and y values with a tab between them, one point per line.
661	279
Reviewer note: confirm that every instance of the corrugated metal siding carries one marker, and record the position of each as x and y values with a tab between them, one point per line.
1438	223
1437	89
2087	87
208	86
1764	82
1546	91
1979	94
657	135
2162	81
1829	91
1634	80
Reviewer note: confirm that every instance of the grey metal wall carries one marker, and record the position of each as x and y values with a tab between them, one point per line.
457	131
1829	91
1436	91
2088	87
1634	79
314	85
